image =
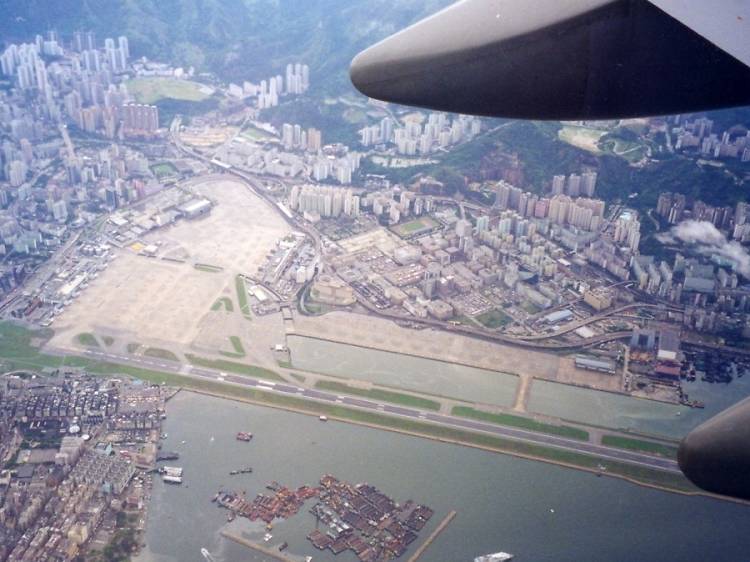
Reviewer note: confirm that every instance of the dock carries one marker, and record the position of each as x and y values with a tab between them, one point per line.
273	553
435	534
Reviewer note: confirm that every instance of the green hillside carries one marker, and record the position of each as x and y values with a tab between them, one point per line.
236	39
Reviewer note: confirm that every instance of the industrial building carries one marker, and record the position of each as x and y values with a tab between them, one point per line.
669	346
195	208
669	359
598	299
598	364
559	316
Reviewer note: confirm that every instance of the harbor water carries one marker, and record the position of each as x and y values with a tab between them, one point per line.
582	405
535	510
403	371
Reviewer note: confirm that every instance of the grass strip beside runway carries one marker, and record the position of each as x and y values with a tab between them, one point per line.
379	394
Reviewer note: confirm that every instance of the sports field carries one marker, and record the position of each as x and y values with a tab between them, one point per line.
152	89
415	227
164	170
257	135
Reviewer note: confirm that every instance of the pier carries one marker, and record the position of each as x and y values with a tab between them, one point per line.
435	534
275	554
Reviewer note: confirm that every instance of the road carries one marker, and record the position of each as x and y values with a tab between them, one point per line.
534	342
482	334
286	389
571	327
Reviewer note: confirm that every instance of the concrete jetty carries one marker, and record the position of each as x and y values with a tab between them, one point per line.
275	554
435	534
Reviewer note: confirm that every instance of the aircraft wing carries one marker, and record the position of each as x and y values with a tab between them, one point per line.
725	23
566	59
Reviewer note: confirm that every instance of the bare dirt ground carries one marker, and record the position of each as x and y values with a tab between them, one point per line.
380	238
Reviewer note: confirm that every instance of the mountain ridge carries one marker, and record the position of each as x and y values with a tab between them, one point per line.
235	39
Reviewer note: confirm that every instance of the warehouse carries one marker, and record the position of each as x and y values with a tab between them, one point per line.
597	364
195	208
559	316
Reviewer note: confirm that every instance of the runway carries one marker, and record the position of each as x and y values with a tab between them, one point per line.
286	389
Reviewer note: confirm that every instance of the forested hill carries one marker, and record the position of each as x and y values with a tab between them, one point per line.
236	39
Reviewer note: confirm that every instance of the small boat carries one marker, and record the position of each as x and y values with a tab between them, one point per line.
323	418
497	557
267	537
283	546
245	436
207	555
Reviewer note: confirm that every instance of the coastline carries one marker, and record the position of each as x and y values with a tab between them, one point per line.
461	363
